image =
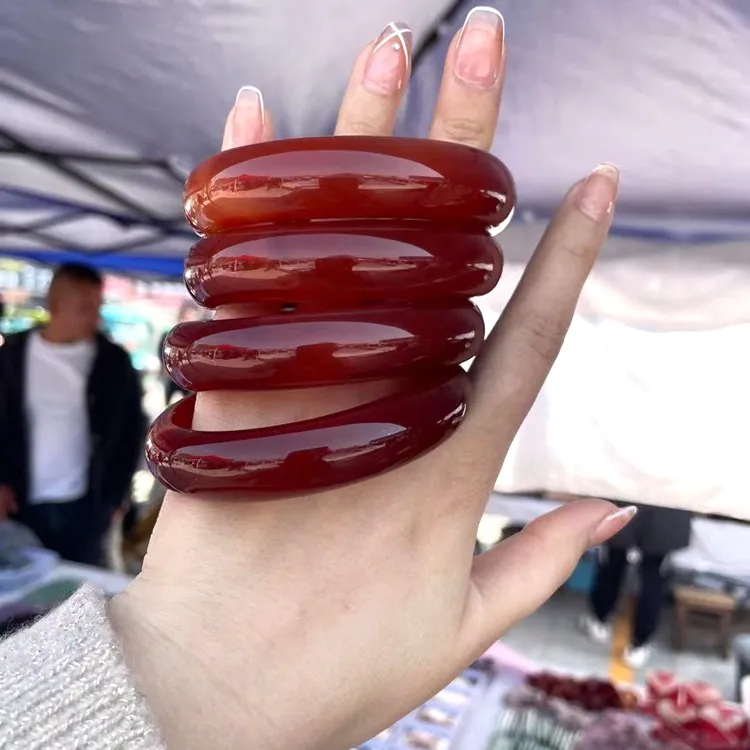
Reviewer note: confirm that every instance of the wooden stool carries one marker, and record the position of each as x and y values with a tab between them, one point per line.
692	603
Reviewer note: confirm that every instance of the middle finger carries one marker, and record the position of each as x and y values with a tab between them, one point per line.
377	84
469	98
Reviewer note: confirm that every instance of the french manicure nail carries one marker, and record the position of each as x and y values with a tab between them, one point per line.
596	197
250	101
611	524
387	68
479	50
249	117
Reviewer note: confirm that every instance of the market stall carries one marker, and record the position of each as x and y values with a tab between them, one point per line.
709	583
33	580
99	127
502	703
60	580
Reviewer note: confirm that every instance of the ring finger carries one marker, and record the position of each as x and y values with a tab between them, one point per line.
469	98
377	84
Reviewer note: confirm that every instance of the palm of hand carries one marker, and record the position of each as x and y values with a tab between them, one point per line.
315	622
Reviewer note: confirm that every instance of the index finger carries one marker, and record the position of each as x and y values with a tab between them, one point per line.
517	356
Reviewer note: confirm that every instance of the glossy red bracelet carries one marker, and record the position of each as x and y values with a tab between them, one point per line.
364	252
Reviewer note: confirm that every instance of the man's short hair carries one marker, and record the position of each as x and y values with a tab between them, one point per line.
78	272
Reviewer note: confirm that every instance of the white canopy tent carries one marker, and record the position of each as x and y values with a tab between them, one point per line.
105	106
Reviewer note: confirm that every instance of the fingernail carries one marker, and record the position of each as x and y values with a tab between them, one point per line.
248	118
387	68
596	197
480	48
612	524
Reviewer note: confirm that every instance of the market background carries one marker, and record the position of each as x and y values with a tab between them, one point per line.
106	106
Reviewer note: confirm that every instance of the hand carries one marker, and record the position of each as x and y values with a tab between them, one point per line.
8	503
316	622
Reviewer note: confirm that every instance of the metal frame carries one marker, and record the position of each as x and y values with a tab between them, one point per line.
67	164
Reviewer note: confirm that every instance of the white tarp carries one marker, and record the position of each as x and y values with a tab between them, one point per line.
637	409
648	401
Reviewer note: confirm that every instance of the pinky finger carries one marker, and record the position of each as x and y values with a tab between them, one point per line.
248	121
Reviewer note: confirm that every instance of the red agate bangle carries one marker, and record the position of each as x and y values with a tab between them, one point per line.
348	177
303	350
316	454
343	264
372	248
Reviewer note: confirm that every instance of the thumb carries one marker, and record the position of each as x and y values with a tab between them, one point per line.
519	575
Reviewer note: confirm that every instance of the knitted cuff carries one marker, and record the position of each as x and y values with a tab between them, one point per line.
64	685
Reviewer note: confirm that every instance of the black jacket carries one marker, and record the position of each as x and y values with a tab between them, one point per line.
117	423
655	531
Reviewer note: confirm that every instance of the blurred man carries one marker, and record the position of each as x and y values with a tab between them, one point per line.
71	422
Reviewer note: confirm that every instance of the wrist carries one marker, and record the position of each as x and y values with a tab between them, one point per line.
228	629
203	680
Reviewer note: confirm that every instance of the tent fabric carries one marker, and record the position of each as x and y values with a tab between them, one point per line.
148	85
655	85
106	106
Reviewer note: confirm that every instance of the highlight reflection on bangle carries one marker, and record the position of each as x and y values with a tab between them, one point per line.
364	252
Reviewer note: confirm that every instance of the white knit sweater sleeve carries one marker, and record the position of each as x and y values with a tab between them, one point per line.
64	685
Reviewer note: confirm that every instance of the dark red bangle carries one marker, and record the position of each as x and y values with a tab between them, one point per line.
348	177
303	350
371	247
343	265
273	462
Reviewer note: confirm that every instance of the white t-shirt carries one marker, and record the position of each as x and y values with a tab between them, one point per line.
56	379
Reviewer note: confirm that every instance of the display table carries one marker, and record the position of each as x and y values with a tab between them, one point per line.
109	582
717	548
510	669
479	730
563	712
